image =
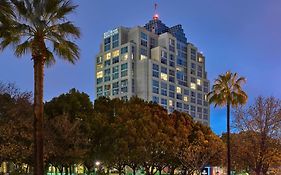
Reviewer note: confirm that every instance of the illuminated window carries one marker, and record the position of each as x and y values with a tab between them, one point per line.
200	60
198	81
205	97
192	85
185	98
99	66
99	74
164	76
107	56
124	57
171	103
115	53
143	57
179	90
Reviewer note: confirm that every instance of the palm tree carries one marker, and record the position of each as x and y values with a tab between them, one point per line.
227	91
35	26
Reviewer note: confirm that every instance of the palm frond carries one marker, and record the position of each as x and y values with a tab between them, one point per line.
50	59
67	50
23	48
66	7
227	89
21	8
36	23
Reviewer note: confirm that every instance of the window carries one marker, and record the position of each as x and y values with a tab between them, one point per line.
164	54
179	105
171	42
171	94
206	87
99	91
185	98
143	36
125	98
179	96
107	90
155	99
155	70
99	74
163	57
193	54
115	72
185	92
172	87
152	43
107	56
99	59
164	75
171	103
106	75
200	59
106	63
164	102
193	80
115	60
193	66
99	80
192	85
205	111
124	86
178	90
171	79
124	50
115	40
124	70
143	39
155	86
115	88
171	72
124	57
172	64
198	82
164	87
107	44
115	53
143	54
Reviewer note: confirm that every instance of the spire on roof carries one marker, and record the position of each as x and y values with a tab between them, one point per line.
155	16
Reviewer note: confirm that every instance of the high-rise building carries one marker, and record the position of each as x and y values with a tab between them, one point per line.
156	63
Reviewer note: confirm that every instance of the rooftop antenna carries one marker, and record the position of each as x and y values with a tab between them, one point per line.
155	16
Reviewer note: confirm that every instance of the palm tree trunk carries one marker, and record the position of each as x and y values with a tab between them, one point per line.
38	114
228	140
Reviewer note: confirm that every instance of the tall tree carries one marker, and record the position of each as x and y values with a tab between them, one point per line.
260	134
35	27
227	91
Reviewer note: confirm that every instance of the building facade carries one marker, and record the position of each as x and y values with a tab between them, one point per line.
155	63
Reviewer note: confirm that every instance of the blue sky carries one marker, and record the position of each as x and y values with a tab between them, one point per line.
241	36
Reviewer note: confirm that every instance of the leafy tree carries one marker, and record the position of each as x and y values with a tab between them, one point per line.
36	26
203	148
67	130
227	91
182	125
16	139
258	146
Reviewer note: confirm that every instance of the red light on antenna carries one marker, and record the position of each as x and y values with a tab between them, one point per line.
155	17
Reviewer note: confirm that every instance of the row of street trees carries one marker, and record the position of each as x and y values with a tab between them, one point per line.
119	134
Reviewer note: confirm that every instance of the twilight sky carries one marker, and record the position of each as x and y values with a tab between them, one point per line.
241	36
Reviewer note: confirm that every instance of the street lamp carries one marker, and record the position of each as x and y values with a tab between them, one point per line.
97	163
